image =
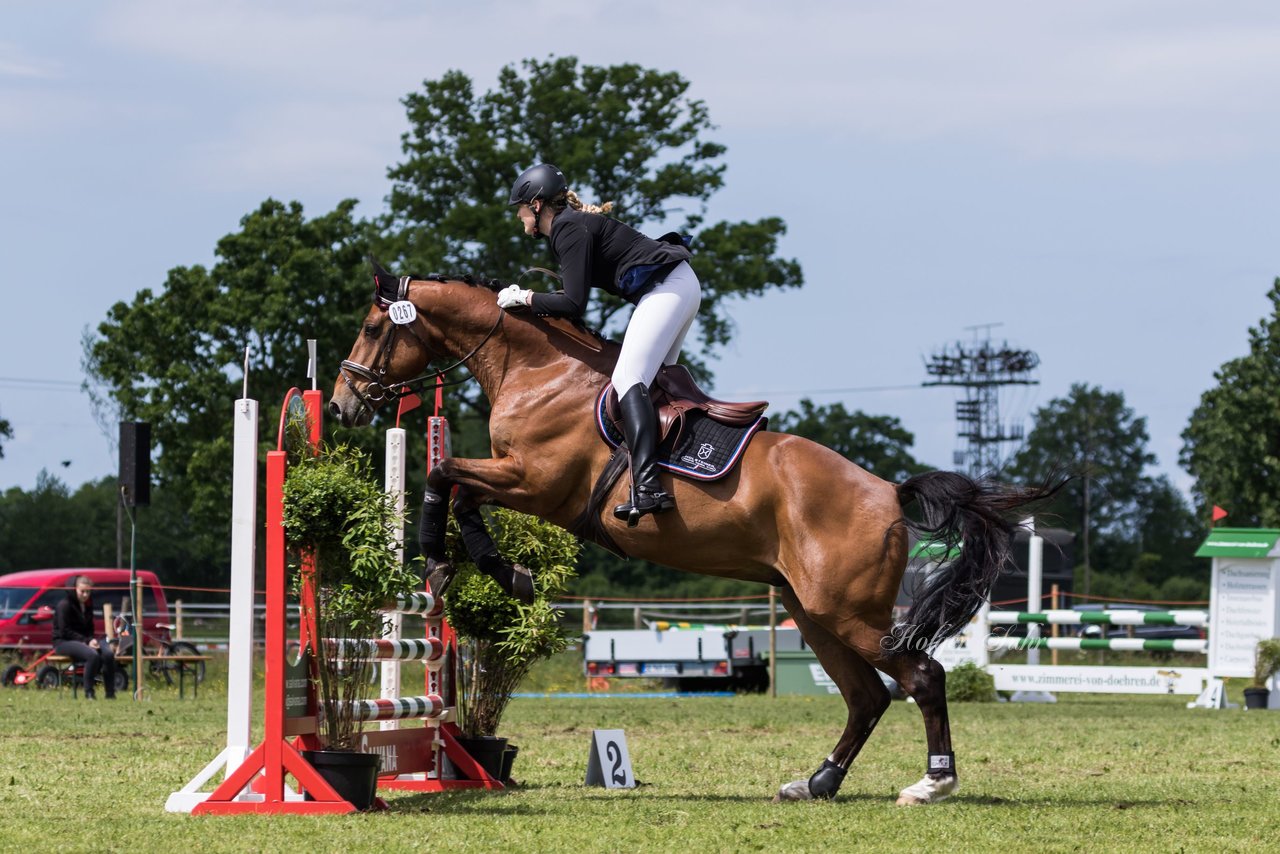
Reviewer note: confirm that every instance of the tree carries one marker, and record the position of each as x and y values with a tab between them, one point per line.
1093	435
175	359
1231	445
632	135
878	443
6	432
620	133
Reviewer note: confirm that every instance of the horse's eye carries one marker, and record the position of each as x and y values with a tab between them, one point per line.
371	330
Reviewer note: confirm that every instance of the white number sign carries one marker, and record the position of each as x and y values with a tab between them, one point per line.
402	312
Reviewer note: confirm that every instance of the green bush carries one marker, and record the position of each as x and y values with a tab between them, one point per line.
502	638
1266	661
336	514
969	683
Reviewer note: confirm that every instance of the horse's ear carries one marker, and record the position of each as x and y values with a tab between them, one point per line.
386	287
378	270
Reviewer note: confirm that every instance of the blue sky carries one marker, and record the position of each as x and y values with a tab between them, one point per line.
1097	177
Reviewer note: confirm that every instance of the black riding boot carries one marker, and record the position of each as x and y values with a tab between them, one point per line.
640	426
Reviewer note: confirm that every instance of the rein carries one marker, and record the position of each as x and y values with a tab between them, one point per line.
376	391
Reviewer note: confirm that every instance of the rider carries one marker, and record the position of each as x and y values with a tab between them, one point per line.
653	275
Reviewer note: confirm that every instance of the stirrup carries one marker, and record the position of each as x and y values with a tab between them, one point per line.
644	501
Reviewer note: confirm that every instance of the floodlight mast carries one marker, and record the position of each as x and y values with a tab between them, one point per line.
980	368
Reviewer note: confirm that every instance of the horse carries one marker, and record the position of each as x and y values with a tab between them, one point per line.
831	536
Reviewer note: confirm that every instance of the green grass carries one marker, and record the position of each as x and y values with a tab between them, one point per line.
1090	773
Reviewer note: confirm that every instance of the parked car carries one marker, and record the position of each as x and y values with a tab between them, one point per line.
28	599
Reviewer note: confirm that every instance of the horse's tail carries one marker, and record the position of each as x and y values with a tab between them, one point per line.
975	516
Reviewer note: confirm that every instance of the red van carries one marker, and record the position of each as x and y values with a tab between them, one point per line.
27	600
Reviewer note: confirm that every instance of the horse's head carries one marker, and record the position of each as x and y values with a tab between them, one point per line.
390	349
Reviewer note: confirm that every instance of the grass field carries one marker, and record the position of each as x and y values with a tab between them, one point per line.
1092	773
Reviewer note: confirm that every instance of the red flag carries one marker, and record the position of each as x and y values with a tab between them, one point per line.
408	403
1218	513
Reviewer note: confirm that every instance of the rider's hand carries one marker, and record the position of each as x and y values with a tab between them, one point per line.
514	296
93	643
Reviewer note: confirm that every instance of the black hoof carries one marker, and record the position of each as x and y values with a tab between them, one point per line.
440	575
515	580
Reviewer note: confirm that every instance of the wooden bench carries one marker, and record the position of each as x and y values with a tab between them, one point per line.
66	665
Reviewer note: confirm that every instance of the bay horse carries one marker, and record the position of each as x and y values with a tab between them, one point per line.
832	537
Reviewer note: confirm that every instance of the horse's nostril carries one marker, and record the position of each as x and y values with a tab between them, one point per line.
335	410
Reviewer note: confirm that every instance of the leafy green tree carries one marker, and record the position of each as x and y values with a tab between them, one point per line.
6	432
175	358
624	133
878	443
1156	554
621	133
1095	436
1231	445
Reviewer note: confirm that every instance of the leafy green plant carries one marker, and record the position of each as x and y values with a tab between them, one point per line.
503	639
1266	661
340	524
969	683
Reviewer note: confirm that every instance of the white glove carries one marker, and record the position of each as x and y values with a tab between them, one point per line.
513	296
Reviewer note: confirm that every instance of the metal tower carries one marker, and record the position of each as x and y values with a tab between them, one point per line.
980	368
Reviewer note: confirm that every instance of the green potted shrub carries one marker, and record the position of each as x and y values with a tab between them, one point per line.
1266	662
969	683
336	514
500	639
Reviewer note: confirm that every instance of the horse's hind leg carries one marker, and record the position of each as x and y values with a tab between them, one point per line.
514	579
925	681
863	691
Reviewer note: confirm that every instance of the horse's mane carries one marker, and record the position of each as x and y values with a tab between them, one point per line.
387	289
568	325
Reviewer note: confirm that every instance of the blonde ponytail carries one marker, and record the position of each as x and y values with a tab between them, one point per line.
576	203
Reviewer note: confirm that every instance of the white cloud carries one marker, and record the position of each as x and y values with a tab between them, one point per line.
1127	79
289	148
15	63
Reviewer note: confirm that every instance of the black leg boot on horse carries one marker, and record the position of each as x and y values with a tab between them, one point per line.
514	579
640	427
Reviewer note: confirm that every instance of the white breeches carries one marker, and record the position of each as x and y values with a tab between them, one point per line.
657	328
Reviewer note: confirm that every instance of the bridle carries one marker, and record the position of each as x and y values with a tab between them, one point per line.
376	391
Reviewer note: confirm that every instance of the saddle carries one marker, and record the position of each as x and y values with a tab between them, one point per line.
675	394
701	439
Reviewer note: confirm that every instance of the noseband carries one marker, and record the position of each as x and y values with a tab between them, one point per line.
376	390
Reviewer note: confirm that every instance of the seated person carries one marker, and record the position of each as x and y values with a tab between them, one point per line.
73	637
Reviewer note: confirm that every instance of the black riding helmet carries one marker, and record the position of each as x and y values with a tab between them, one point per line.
543	181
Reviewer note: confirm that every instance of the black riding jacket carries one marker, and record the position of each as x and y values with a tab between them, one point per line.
71	622
596	251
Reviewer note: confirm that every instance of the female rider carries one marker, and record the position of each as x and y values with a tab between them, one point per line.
653	275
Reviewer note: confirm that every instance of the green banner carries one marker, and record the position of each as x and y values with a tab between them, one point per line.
1240	542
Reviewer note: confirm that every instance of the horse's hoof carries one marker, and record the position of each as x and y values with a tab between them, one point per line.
515	580
521	581
796	790
929	790
440	575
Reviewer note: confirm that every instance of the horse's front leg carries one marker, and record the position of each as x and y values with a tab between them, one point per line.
480	477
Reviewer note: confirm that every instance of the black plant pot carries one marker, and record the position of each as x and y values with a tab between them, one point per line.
1256	698
488	750
354	776
508	759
